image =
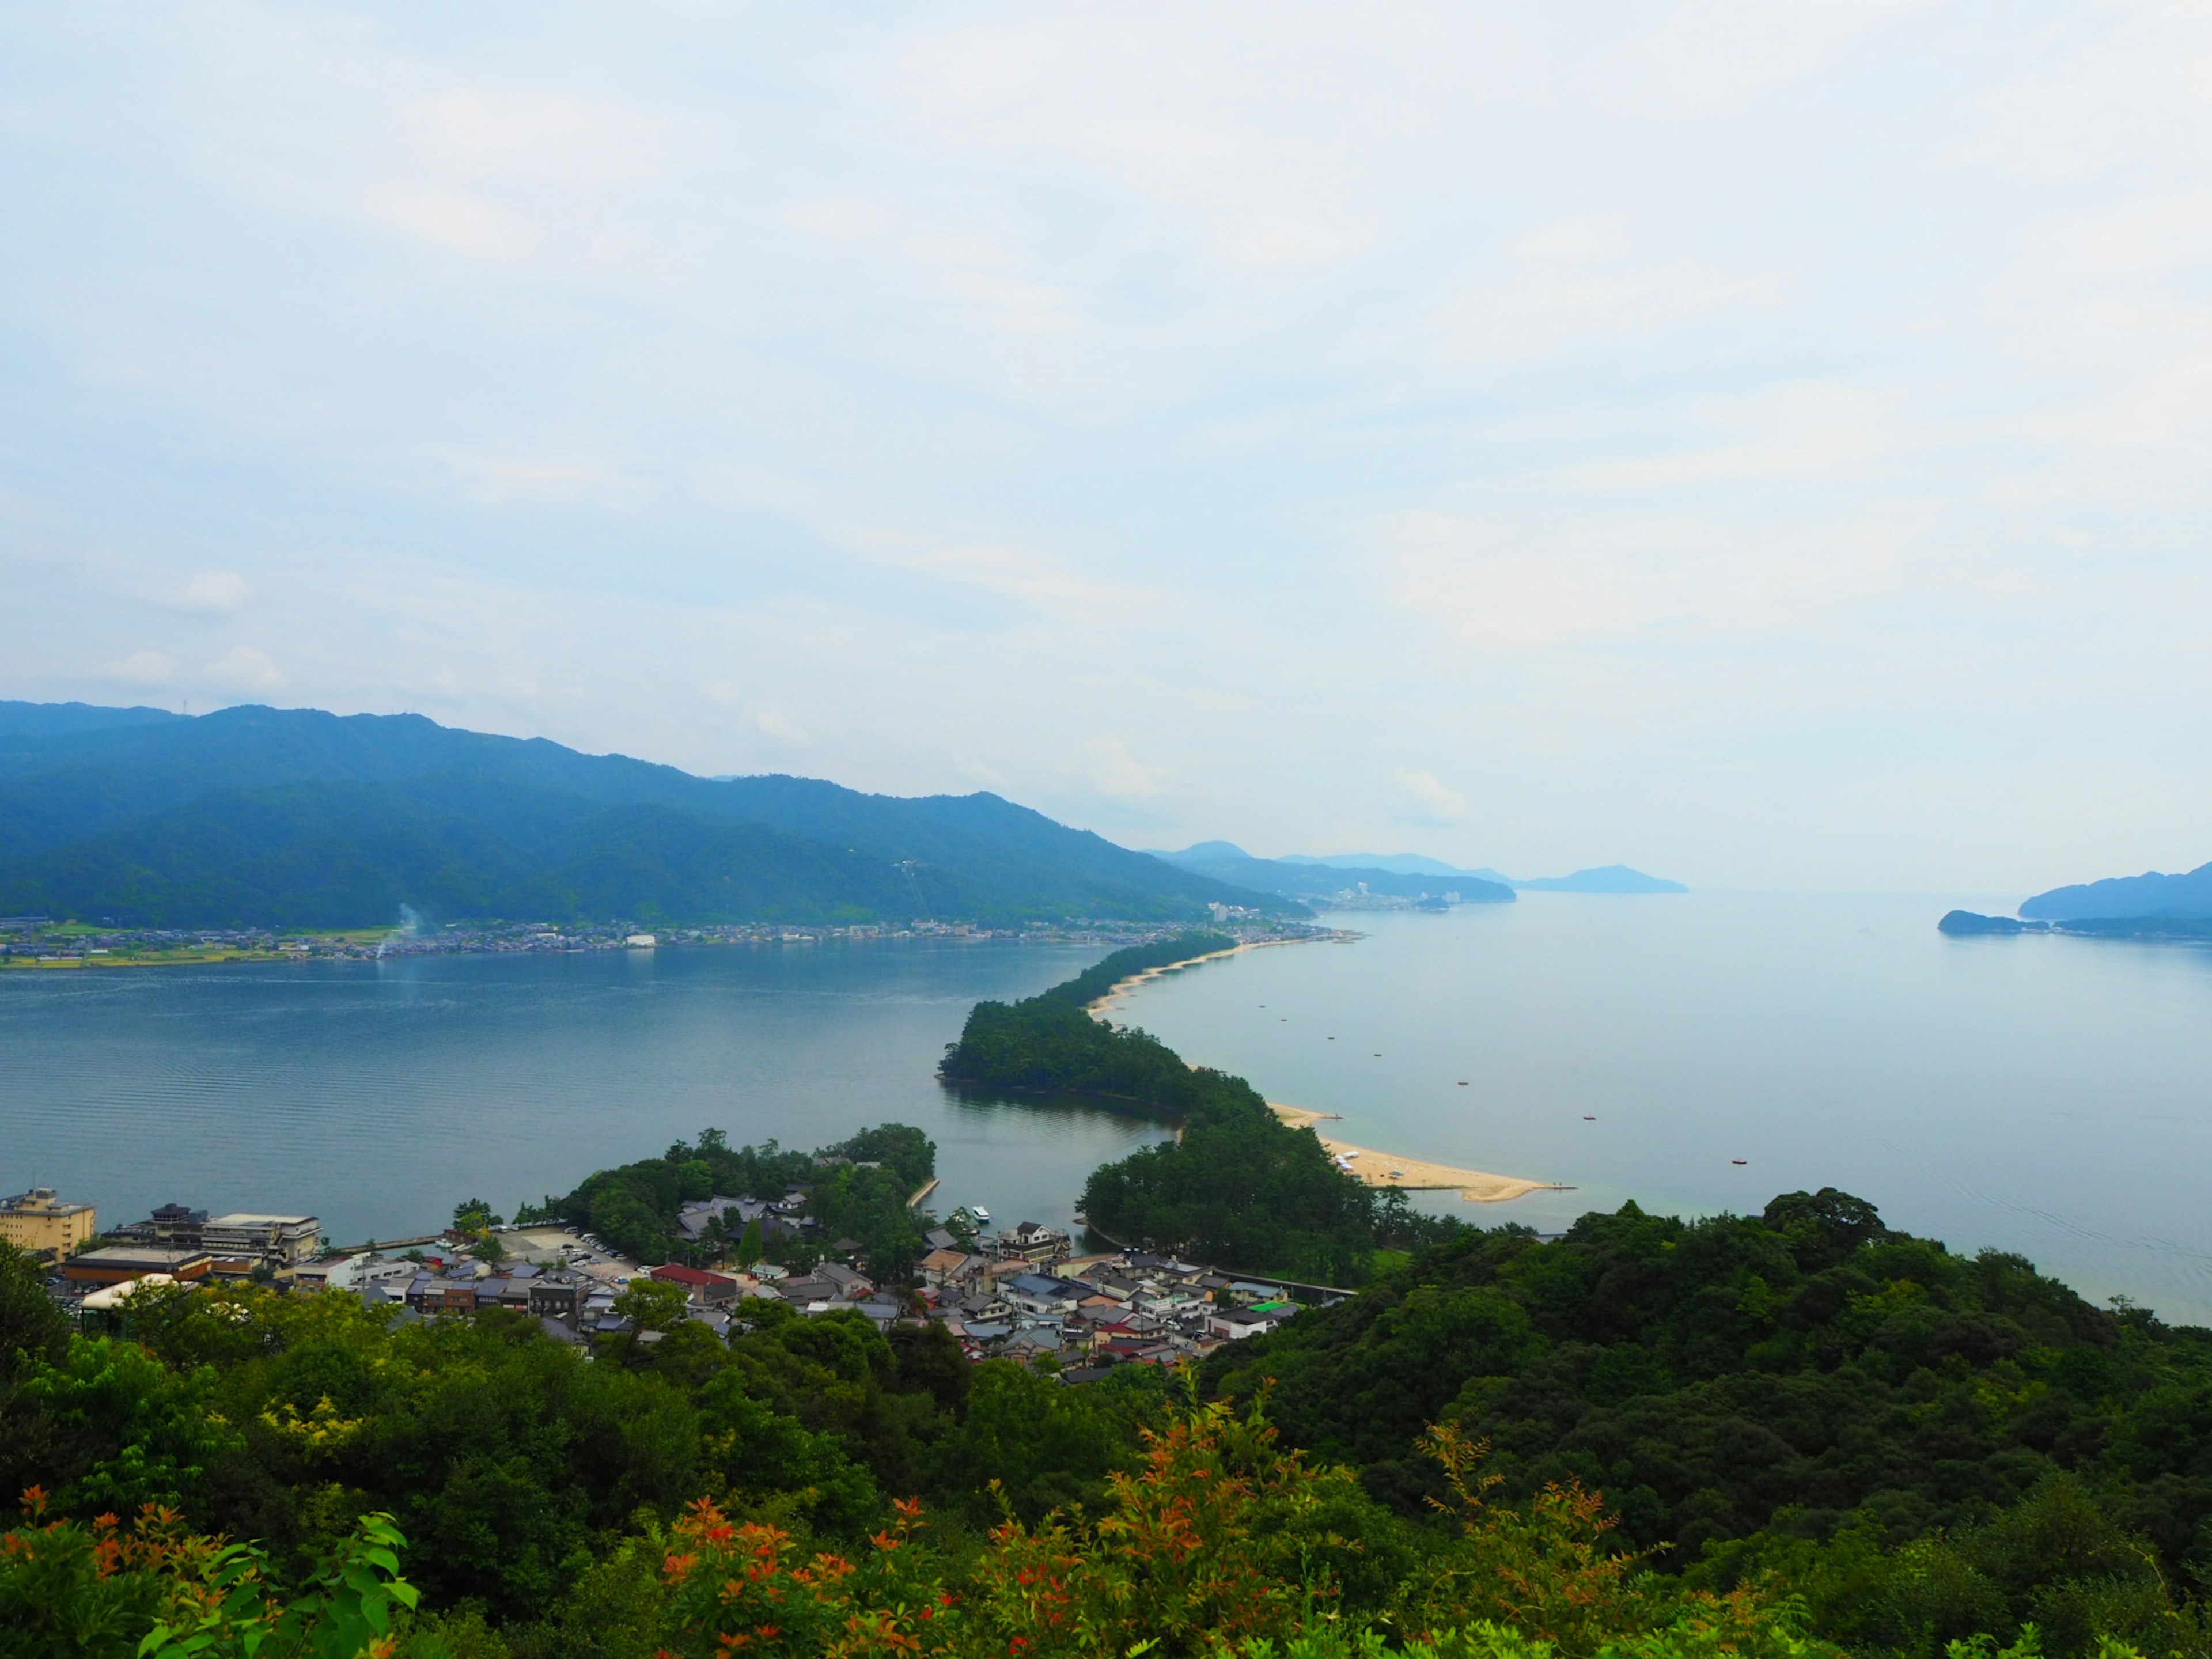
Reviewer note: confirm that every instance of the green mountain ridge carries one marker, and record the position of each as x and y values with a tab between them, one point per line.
296	818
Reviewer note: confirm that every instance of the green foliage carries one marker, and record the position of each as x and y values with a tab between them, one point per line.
651	1305
109	1427
634	1207
1095	981
31	1329
1930	1446
158	1590
473	1216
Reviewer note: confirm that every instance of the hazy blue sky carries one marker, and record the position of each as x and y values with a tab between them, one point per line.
1767	442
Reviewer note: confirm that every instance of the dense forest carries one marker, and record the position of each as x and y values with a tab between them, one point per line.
1922	1445
1795	1434
633	1207
1238	1186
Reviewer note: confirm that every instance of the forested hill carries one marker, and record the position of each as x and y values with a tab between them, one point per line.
1803	1391
296	817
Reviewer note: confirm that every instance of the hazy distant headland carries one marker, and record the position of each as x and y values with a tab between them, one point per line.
296	818
1397	875
2149	905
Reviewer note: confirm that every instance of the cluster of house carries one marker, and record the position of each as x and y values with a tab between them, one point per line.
1020	1293
176	1243
1012	1299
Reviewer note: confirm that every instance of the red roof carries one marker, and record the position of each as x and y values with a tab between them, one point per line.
675	1274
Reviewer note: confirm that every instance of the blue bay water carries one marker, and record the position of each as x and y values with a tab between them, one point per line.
2045	1096
378	1095
2051	1096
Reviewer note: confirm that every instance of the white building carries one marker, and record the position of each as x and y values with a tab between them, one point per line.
282	1241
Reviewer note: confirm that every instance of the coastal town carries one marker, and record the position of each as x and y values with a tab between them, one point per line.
1023	1292
35	942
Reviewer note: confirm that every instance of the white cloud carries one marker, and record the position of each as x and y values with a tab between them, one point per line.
776	723
214	593
1113	771
242	668
1427	799
147	668
1782	403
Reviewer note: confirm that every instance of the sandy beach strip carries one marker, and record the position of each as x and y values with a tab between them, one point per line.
1099	1007
1413	1174
1373	1168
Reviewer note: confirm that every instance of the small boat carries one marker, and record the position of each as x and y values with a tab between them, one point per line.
1587	1118
1739	1160
979	1212
1463	1083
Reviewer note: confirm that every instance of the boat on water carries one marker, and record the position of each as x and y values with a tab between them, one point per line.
979	1212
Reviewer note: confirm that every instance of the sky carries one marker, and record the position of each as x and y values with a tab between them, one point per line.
1768	442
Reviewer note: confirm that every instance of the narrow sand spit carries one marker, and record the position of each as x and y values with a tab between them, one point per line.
1413	1174
1121	988
1375	1169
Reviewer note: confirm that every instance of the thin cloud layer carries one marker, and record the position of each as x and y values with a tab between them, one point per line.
1760	442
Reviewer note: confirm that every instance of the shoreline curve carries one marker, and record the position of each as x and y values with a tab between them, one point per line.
1362	1164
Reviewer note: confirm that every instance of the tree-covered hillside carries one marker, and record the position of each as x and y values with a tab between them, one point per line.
1804	1390
1797	1436
298	818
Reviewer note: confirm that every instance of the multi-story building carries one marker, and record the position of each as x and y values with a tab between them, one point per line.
172	1225
40	1222
280	1241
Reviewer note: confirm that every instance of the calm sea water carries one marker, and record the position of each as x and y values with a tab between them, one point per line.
378	1095
2051	1097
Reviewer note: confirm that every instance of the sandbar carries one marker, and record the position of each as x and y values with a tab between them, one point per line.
1371	1167
1413	1174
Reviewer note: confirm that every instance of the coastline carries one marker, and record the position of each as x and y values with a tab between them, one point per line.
1363	1164
1412	1175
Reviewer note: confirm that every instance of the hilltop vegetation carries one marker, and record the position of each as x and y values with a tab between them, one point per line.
857	1189
1924	1444
295	818
1782	1437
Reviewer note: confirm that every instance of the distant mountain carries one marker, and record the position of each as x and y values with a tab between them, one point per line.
1967	922
1612	878
1608	878
54	719
1402	864
2148	895
296	817
1225	861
